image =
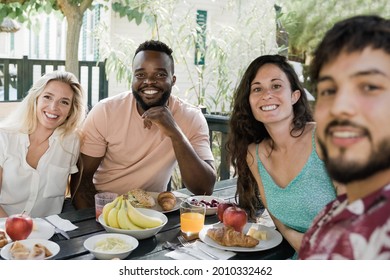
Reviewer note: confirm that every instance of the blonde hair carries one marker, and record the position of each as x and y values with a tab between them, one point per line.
25	120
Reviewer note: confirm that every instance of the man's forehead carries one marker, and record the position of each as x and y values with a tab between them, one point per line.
160	59
352	63
151	55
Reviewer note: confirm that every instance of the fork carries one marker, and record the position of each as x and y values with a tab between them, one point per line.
185	243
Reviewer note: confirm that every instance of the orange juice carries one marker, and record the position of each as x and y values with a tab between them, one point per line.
191	223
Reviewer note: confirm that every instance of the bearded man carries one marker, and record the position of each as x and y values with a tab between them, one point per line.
351	70
133	140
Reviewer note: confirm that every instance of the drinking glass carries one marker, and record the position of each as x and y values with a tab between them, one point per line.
191	219
102	199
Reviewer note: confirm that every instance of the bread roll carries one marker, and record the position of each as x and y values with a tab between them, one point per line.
140	198
167	200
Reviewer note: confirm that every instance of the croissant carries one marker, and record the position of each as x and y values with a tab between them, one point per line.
3	239
37	253
167	200
44	248
18	251
227	236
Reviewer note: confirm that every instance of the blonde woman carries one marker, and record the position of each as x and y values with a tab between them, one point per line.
39	146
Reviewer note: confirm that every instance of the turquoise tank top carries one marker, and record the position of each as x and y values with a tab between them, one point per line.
304	197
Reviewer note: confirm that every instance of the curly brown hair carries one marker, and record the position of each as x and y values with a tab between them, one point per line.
244	129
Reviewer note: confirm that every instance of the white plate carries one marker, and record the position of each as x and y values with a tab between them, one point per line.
158	207
273	239
54	248
41	229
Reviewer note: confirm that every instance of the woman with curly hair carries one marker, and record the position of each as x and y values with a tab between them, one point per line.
273	148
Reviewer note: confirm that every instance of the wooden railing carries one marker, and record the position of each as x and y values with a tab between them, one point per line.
20	74
92	75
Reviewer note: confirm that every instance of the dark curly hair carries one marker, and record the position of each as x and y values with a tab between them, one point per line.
158	46
244	129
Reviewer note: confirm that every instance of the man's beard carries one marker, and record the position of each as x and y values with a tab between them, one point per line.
347	172
161	102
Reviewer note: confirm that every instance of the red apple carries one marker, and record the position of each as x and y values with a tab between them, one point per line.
221	208
235	217
19	226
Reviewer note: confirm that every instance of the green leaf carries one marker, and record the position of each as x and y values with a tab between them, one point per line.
48	9
130	17
138	18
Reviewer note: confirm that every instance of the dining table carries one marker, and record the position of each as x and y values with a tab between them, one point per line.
152	248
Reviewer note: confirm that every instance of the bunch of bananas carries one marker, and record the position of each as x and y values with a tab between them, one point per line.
121	214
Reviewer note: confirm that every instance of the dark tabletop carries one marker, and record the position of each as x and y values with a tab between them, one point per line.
151	248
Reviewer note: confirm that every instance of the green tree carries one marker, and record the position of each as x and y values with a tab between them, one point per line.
73	10
306	21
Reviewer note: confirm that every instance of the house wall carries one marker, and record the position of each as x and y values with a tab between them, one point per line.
219	18
49	43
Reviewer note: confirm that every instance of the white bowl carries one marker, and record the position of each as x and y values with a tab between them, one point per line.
90	245
139	234
207	198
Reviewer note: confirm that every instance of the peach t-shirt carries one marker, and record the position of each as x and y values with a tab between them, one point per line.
134	156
